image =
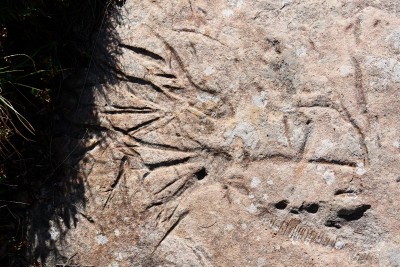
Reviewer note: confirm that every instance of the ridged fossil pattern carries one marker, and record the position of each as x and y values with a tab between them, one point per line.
295	230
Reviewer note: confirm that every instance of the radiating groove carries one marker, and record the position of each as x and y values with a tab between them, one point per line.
135	128
142	51
334	162
167	163
166	75
170	229
129	111
159	145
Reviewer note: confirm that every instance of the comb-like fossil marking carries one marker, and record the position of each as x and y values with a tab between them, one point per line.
296	231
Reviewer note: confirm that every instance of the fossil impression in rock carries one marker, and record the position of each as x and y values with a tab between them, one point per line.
241	133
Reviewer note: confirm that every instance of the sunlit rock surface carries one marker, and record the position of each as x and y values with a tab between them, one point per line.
234	133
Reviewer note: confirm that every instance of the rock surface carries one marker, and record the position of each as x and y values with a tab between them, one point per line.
234	133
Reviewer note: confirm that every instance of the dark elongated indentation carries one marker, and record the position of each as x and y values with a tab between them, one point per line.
137	127
179	61
137	80
141	81
166	75
294	211
170	229
333	223
116	180
128	111
87	217
143	51
117	109
171	87
167	163
346	191
201	174
154	204
158	145
120	171
165	186
359	131
281	205
352	214
334	162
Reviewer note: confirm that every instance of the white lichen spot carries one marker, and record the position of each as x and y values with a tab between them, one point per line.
152	136
288	108
235	3
101	239
234	86
54	233
346	70
265	196
251	196
227	13
320	169
170	257
205	97
209	70
261	262
260	100
384	68
301	51
120	256
326	144
255	182
396	144
360	169
329	177
297	137
99	200
239	3
252	208
394	257
237	201
393	40
114	264
117	232
244	226
339	244
285	3
229	227
270	182
244	131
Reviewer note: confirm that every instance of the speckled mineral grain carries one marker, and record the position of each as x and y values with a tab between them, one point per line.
235	133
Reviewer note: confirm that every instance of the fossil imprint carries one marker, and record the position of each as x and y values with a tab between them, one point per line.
165	118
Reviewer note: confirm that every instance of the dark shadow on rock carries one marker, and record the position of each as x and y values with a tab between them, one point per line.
61	197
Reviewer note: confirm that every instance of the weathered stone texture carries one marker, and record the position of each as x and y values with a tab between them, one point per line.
242	133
